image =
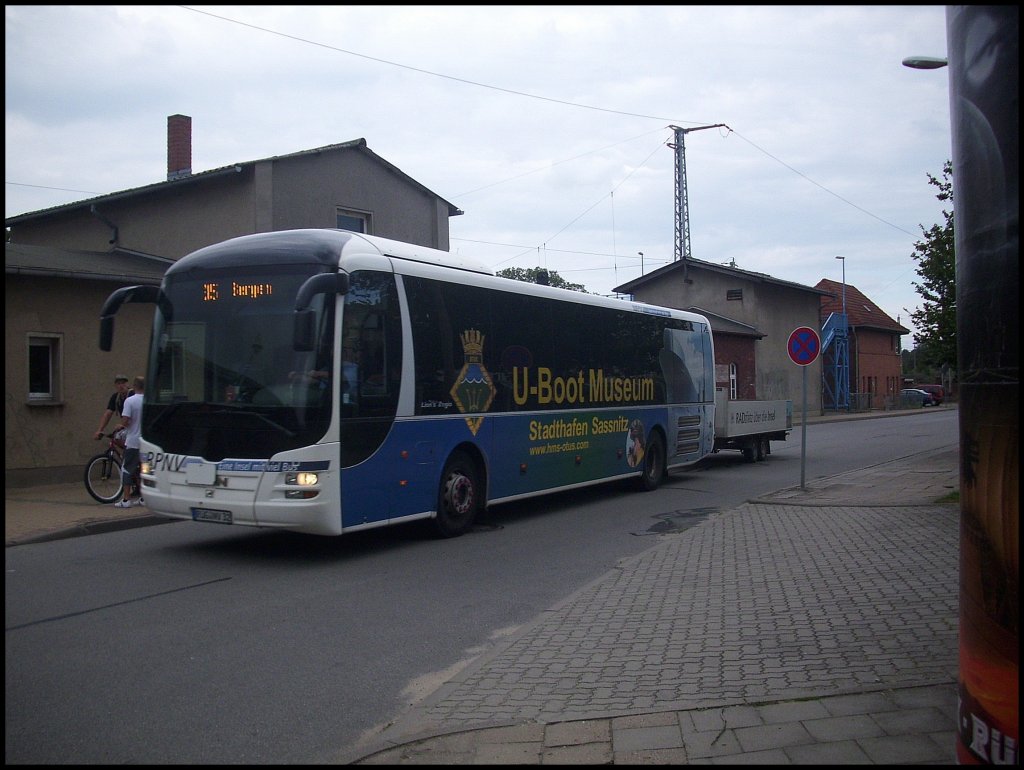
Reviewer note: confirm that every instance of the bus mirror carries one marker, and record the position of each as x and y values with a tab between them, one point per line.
321	283
302	338
113	304
106	333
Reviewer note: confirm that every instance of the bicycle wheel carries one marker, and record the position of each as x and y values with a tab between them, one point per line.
103	478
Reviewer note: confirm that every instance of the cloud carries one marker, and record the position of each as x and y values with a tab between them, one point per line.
547	125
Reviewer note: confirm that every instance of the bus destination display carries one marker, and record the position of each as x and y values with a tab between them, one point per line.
213	292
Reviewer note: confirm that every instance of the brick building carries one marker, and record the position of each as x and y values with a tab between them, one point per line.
876	371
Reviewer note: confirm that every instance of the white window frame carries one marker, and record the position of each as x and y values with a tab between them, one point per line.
361	216
732	382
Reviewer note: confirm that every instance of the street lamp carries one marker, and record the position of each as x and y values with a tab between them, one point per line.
641	262
843	260
925	62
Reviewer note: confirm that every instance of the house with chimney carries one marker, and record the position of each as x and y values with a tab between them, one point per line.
63	262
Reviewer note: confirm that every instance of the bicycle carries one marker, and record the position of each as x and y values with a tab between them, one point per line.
103	471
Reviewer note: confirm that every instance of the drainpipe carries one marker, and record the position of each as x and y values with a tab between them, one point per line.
95	212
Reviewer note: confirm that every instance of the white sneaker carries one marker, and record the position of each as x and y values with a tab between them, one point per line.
123	504
138	501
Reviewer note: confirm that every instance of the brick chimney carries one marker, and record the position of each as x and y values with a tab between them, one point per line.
179	147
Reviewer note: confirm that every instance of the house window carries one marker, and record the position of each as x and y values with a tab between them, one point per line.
356	221
732	382
44	357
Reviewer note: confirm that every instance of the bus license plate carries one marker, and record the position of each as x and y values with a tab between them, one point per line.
207	514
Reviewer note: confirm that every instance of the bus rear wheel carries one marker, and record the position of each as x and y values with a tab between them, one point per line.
458	500
654	463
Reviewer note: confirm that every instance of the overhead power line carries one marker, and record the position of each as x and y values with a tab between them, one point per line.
425	71
533	96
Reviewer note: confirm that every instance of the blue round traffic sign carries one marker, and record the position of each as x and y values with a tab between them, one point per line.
804	345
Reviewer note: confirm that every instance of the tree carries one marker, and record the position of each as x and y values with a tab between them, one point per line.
529	275
917	365
935	255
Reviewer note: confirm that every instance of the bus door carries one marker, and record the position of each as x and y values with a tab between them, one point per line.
368	394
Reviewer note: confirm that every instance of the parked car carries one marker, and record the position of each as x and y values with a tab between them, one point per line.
937	391
912	397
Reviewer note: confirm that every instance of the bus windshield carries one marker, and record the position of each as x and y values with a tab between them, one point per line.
224	379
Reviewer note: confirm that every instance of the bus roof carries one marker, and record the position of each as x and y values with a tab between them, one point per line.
326	246
445	259
425	254
330	246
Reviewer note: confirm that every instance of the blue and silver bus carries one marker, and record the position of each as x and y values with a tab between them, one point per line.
325	381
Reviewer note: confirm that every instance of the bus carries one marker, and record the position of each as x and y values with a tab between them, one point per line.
325	381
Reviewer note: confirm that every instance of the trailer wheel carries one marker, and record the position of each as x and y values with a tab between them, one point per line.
762	448
458	499
654	463
749	452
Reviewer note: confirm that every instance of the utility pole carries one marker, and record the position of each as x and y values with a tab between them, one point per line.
682	200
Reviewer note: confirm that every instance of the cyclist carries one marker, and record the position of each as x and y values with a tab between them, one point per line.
114	404
131	419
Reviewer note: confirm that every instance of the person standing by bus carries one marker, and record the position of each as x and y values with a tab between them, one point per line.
131	420
114	404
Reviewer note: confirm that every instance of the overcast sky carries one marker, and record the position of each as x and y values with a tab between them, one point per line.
548	126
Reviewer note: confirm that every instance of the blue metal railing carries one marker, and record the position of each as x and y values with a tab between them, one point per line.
835	371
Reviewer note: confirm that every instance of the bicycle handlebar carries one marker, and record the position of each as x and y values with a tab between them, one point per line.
118	442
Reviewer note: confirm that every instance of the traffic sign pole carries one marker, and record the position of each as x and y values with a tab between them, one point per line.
803	436
803	348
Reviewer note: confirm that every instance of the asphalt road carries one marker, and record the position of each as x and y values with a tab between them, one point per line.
189	643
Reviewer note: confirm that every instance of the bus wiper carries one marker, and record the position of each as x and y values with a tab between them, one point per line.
167	412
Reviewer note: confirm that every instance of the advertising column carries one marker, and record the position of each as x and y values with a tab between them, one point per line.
984	104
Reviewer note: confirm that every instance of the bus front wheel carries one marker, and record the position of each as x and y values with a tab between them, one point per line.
654	463
458	499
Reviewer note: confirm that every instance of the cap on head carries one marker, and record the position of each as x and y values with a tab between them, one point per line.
120	378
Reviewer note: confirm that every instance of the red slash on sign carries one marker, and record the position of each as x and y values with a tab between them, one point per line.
804	345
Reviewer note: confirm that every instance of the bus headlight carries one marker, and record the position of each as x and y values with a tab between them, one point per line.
146	467
303	479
